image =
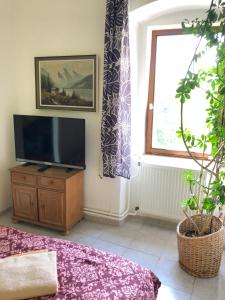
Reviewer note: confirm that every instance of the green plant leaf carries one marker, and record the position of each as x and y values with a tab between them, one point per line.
208	204
188	175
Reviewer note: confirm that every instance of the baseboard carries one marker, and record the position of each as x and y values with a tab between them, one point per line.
118	220
160	222
118	217
152	215
101	218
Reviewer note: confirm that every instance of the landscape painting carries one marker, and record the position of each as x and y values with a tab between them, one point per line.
66	82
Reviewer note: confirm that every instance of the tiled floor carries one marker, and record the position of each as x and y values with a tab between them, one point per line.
151	246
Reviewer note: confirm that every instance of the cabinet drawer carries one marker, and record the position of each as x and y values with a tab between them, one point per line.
51	183
23	178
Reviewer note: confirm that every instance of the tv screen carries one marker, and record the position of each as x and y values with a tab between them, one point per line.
50	140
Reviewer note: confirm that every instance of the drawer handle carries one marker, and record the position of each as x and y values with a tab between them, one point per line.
24	177
51	181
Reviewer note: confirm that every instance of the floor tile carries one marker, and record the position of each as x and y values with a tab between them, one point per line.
125	229
134	223
168	293
88	228
170	274
81	238
152	231
5	219
151	240
148	244
170	251
143	259
222	267
109	247
197	298
208	289
117	236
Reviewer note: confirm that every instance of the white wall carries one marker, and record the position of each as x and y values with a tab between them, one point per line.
60	27
7	97
134	4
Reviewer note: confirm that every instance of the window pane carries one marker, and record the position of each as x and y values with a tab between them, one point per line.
174	53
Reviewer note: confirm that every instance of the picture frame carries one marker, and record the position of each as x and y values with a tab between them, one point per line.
66	82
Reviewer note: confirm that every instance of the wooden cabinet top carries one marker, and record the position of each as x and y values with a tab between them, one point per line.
56	172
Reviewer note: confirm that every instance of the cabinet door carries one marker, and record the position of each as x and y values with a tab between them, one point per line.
50	205
25	202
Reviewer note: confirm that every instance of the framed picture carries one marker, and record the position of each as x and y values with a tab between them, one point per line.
66	82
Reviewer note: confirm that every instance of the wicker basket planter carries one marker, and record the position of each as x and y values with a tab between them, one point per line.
200	256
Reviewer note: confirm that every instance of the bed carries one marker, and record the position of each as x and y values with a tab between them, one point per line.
85	272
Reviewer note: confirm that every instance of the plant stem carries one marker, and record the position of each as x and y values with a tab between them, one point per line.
206	224
216	155
192	221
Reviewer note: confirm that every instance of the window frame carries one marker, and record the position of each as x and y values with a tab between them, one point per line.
150	105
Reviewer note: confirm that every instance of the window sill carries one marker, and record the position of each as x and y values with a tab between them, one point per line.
171	162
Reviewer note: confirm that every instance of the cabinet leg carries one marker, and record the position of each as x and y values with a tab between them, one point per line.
66	232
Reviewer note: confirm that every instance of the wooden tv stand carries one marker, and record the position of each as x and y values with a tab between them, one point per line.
53	198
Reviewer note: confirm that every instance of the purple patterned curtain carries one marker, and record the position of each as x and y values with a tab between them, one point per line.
116	114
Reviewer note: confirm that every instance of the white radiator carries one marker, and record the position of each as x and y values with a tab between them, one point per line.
158	191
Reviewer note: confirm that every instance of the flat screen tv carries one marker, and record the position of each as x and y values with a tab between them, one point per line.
50	140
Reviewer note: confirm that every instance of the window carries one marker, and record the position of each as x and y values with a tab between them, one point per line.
171	53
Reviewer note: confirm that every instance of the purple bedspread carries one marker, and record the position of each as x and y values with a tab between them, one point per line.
85	272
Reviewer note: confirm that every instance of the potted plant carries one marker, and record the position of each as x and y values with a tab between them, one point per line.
201	234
